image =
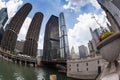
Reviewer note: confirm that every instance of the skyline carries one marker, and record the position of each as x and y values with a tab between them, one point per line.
77	16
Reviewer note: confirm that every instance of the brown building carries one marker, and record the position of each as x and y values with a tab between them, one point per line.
51	39
11	34
30	45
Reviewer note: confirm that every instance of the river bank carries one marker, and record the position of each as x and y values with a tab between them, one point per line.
12	71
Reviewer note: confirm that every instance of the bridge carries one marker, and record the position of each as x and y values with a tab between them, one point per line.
54	62
18	59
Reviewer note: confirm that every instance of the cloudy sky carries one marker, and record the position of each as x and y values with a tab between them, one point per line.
77	15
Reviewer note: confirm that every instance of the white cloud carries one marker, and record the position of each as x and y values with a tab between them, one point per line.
80	34
12	6
24	29
2	4
40	42
77	4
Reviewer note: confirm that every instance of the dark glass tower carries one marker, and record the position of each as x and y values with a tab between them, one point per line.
3	16
30	45
11	34
3	20
51	39
64	46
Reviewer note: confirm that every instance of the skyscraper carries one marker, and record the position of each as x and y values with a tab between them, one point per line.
83	52
3	20
51	39
3	16
30	45
10	36
64	46
95	38
112	10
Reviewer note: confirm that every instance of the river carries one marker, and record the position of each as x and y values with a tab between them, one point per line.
12	71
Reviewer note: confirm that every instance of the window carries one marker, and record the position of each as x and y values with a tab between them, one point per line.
77	65
70	65
69	69
87	69
86	64
98	61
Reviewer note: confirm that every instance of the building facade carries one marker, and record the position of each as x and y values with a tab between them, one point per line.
64	46
31	42
51	39
10	35
83	52
112	10
87	69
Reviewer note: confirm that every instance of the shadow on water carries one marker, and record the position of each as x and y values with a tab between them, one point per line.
12	71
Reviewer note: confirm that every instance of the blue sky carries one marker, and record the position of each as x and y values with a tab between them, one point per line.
77	16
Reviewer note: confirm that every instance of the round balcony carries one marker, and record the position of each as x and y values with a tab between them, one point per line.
110	47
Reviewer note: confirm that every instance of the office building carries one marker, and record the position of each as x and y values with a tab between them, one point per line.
3	16
83	52
72	55
51	39
3	20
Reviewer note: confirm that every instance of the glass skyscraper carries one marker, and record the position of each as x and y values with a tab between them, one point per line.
3	20
3	16
64	46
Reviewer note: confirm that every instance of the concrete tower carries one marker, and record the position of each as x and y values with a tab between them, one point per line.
51	39
11	34
30	45
64	46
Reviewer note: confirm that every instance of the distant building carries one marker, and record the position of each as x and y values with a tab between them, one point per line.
19	46
92	47
40	52
72	55
112	9
64	46
83	52
95	34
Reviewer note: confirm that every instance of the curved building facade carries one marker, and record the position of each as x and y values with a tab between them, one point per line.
30	45
11	34
112	9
